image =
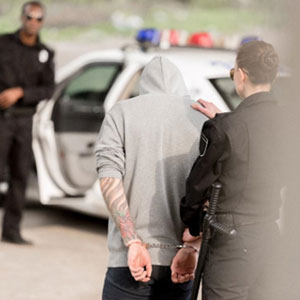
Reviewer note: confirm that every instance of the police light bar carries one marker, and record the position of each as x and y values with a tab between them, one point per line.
149	35
172	37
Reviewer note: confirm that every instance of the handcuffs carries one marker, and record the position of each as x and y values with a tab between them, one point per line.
168	246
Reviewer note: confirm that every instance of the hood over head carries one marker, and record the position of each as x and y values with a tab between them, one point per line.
160	75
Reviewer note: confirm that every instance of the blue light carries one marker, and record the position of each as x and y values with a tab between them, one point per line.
248	39
148	35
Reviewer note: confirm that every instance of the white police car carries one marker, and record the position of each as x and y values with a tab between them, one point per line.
66	127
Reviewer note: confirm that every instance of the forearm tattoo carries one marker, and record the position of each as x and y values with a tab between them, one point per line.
116	202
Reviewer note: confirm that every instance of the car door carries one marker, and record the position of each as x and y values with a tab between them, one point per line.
66	127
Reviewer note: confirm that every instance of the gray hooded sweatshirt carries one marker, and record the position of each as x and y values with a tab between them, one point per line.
151	142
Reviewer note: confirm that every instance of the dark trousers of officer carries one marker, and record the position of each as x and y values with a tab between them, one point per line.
16	155
244	267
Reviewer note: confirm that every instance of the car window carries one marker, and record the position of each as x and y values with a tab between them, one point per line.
82	98
226	89
92	84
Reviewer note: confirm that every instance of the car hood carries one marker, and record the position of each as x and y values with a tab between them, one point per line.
160	75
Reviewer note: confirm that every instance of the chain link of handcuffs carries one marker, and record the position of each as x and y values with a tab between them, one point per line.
169	246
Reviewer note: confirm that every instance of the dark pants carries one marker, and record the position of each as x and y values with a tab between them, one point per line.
120	285
16	155
244	267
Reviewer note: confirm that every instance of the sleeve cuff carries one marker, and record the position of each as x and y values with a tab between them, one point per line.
194	231
109	173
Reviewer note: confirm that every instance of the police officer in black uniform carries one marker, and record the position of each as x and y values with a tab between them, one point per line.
26	77
244	151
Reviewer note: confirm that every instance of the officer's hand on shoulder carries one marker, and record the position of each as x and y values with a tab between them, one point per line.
207	108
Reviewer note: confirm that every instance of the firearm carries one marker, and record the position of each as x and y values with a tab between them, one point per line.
209	222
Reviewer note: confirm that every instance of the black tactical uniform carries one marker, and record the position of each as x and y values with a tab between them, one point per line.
31	68
242	150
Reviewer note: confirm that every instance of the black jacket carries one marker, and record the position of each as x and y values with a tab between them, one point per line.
29	67
244	151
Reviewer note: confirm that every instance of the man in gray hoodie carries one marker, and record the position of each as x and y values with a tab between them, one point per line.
144	152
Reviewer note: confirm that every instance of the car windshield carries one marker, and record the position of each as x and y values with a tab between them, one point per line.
226	89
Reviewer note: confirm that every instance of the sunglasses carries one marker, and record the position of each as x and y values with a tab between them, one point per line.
231	73
39	19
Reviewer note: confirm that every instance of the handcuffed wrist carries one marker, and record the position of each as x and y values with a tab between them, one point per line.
136	241
189	246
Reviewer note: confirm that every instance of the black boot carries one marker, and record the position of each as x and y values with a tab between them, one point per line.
15	239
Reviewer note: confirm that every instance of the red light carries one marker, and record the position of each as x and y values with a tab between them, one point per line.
201	39
174	37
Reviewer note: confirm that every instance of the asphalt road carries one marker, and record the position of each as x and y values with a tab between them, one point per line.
67	261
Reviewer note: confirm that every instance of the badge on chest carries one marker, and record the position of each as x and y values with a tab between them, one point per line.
43	56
